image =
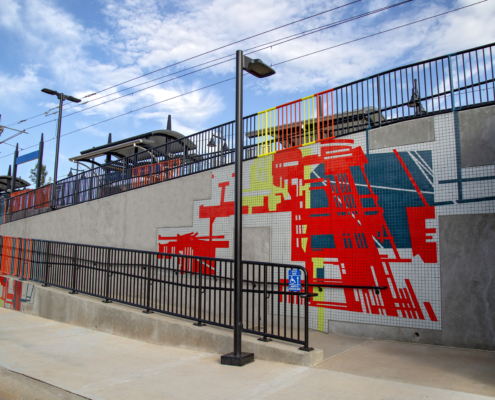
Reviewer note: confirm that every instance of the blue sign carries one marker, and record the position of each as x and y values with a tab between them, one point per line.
294	280
27	157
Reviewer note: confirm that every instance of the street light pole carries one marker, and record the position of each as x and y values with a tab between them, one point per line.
57	148
260	70
61	98
239	146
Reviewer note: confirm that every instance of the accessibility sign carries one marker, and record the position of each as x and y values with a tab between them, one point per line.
294	280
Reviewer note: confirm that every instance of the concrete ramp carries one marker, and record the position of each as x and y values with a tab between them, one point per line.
130	322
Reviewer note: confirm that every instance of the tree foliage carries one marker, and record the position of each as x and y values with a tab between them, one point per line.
34	173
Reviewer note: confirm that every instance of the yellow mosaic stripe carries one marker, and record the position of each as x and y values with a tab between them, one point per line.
266	132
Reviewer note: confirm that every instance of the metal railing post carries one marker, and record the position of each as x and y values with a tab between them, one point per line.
148	287
306	296
183	157
265	306
151	168
91	185
74	270
379	101
107	283
199	296
1	249
47	266
124	163
451	84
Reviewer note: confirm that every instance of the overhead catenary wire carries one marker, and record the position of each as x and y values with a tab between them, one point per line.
282	62
251	50
197	56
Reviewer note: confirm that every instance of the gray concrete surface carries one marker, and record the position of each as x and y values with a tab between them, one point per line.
477	134
97	365
130	322
467	254
256	244
128	220
407	132
467	274
14	386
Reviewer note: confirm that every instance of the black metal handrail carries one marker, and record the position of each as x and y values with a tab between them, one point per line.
437	85
329	285
195	288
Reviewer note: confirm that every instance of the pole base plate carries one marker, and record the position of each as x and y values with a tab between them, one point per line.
237	361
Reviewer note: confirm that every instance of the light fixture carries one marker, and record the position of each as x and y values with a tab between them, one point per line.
260	70
212	142
61	98
415	100
257	67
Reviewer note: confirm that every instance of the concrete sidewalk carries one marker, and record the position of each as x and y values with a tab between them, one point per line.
73	361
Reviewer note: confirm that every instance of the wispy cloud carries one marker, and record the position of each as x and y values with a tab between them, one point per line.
61	50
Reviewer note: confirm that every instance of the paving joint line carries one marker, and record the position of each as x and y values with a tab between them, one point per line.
46	383
345	351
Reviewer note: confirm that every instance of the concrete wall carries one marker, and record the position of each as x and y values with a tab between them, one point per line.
407	132
467	249
126	220
445	272
468	290
477	132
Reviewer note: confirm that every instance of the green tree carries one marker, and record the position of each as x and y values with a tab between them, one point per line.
34	174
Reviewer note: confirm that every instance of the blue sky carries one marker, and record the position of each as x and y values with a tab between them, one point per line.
80	47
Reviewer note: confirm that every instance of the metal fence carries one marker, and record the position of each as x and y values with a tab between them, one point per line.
441	84
197	288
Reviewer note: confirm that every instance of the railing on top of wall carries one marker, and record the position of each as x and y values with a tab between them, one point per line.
196	288
442	84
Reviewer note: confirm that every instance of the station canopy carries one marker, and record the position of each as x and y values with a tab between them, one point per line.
6	182
136	144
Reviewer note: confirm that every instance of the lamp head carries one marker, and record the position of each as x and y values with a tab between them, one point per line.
73	99
49	91
257	67
212	142
413	102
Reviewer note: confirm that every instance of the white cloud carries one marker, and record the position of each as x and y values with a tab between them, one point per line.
142	35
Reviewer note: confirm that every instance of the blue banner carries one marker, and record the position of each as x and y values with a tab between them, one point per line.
27	157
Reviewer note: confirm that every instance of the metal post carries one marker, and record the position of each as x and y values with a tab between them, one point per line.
107	283
57	148
74	269
14	170
148	287
265	338
379	102
238	358
306	296
47	264
200	289
77	185
40	163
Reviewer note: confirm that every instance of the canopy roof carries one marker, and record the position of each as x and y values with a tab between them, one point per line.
6	182
128	147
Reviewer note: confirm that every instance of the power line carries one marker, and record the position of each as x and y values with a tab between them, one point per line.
248	51
379	33
282	62
254	49
199	55
132	111
231	44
